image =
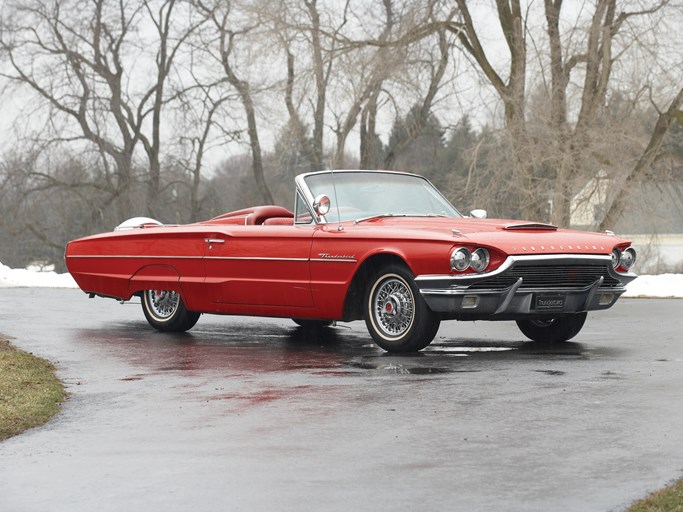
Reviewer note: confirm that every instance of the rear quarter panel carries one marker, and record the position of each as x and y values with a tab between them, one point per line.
121	263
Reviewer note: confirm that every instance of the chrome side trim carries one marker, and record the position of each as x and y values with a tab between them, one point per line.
226	258
231	258
247	258
252	258
257	258
124	256
333	260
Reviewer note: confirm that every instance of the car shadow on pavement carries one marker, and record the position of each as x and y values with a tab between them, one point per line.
255	346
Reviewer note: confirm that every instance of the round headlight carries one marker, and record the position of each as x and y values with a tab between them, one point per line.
480	260
616	257
460	259
628	258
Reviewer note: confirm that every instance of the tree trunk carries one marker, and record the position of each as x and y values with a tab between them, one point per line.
644	163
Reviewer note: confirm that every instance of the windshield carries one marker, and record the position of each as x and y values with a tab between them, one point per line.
359	195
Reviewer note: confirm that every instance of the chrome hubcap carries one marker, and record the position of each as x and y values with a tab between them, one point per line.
394	307
162	303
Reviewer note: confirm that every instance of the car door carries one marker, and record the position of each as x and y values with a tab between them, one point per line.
258	265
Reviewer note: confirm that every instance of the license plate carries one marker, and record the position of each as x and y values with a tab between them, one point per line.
549	301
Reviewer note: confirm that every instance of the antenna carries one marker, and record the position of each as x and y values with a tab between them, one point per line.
336	202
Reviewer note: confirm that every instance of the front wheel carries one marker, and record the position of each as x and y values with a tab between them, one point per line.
396	315
552	330
165	311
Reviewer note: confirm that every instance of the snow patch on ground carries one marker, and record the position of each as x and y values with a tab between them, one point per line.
663	285
23	278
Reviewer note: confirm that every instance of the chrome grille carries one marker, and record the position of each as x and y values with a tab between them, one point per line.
550	276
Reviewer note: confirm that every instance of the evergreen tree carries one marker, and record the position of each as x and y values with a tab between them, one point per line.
416	144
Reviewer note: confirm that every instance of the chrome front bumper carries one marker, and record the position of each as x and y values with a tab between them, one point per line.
527	286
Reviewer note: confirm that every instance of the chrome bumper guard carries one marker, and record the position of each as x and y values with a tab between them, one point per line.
455	296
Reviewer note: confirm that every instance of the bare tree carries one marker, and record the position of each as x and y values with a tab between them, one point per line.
645	163
404	60
437	68
44	202
370	66
228	32
309	36
170	40
36	33
88	63
552	159
598	59
203	109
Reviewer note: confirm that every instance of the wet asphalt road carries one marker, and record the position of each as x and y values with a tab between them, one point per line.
257	415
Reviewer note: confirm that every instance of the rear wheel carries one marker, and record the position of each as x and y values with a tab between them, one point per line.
396	315
552	330
165	311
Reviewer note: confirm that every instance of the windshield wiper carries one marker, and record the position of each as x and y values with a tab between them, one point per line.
383	215
372	217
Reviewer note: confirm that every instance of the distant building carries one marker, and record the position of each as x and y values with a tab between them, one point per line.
588	205
653	220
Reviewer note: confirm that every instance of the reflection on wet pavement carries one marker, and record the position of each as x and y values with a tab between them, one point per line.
254	347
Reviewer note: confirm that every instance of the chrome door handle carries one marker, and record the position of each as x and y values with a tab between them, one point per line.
212	241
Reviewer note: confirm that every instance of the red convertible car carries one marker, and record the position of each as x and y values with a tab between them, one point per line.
381	246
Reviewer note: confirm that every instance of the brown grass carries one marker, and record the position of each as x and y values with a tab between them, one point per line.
30	393
669	499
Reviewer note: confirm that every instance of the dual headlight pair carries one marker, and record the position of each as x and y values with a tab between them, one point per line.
462	259
624	259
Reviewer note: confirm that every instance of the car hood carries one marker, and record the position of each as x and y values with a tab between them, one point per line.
509	236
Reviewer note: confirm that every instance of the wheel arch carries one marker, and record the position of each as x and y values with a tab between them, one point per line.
353	308
155	277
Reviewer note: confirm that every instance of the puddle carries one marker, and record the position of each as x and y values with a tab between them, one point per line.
399	368
551	372
131	377
457	350
609	375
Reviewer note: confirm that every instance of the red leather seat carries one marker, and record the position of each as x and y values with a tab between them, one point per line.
254	216
261	213
279	221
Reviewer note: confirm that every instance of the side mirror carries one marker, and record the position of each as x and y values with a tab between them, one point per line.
321	205
478	214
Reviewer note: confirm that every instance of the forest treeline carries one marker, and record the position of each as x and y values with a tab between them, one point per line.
184	109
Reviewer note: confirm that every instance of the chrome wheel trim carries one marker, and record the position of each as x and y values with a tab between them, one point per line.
393	307
162	304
